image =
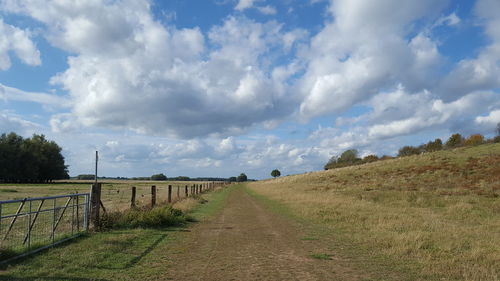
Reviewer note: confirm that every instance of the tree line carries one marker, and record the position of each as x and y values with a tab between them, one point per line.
350	157
31	160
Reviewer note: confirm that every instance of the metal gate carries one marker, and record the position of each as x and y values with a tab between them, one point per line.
32	224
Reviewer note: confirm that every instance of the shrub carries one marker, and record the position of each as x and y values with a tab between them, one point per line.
370	158
276	173
408	150
435	145
476	139
455	140
144	217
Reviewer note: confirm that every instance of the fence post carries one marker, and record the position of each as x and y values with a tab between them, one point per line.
186	191
132	200
178	192
169	193
95	204
153	195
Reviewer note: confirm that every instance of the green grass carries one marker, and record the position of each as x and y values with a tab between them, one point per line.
123	254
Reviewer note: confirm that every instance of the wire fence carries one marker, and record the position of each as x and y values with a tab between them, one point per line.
31	224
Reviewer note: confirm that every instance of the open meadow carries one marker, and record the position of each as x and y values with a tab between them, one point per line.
437	213
116	194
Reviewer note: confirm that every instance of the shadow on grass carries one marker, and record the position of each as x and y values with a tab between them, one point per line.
138	258
38	278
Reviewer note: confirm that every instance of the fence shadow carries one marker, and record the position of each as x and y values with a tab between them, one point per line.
41	278
138	258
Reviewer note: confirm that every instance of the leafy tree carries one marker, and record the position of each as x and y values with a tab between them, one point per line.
275	173
242	178
159	177
370	158
85	177
348	157
233	179
33	159
435	145
455	140
476	139
408	150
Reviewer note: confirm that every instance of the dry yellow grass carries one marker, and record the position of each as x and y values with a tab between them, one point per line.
439	211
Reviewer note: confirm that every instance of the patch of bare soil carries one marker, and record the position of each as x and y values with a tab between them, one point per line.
246	241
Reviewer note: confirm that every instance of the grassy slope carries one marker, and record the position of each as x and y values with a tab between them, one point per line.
437	213
129	254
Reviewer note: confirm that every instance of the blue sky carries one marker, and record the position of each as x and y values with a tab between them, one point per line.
216	88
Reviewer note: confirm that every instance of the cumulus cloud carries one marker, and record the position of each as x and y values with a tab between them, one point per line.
18	41
175	82
244	4
482	72
349	61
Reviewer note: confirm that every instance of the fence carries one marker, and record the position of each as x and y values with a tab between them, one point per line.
32	224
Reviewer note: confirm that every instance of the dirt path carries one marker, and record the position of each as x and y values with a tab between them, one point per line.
246	241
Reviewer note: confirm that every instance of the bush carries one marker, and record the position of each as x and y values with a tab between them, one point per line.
370	158
144	217
435	145
476	139
408	150
455	140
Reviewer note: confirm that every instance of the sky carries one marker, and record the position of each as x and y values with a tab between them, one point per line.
222	87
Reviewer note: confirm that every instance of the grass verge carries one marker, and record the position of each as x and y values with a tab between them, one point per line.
120	254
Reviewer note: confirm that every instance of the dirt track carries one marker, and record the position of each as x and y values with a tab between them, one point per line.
246	241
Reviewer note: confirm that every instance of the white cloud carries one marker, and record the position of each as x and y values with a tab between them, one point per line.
18	41
244	4
482	72
349	61
267	10
10	122
174	82
47	100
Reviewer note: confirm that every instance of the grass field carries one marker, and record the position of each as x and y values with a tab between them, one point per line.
124	254
438	213
116	194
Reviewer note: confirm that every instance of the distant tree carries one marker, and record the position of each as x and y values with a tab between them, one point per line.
498	129
370	158
386	157
233	179
242	178
408	150
85	177
275	173
455	140
435	145
348	157
159	177
476	139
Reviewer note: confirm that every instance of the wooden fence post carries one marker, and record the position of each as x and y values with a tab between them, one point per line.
178	192
95	204
169	193
153	195
132	201
186	191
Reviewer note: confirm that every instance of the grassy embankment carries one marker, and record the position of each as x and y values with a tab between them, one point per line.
436	214
123	254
